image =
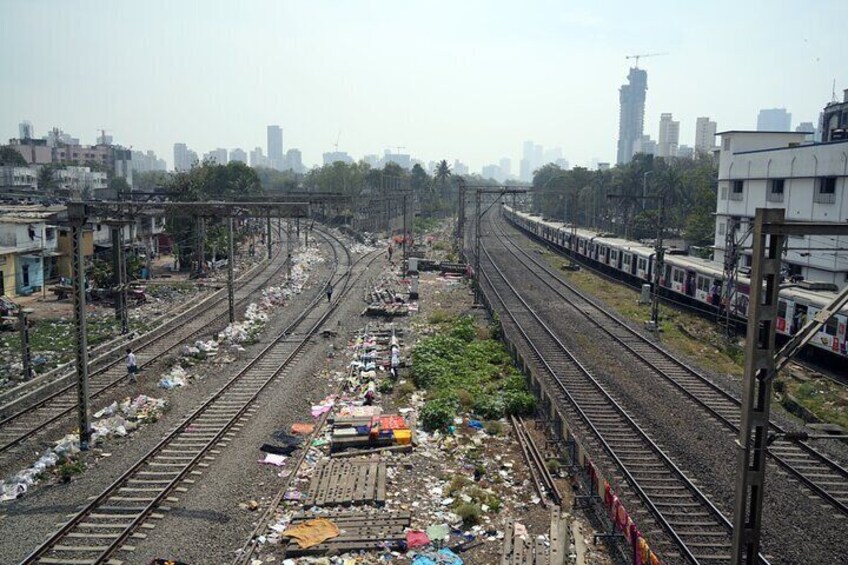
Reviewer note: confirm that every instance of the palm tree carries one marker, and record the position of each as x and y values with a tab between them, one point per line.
441	176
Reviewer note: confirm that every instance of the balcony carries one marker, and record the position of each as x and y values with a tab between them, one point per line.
824	197
736	195
774	196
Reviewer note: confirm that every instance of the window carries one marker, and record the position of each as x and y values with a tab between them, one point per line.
781	309
737	188
826	191
627	259
678	276
775	192
831	326
643	263
724	192
726	144
722	228
703	284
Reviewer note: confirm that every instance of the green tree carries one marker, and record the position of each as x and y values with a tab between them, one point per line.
120	186
9	156
148	181
442	175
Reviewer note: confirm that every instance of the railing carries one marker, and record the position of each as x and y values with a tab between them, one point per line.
824	197
736	195
774	196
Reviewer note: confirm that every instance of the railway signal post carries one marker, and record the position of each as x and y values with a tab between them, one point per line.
231	301
761	366
77	215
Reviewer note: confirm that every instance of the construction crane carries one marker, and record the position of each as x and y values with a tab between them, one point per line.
399	147
642	56
338	137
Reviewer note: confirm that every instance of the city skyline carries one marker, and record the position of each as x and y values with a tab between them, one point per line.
304	82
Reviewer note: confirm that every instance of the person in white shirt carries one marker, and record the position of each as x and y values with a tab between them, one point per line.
132	366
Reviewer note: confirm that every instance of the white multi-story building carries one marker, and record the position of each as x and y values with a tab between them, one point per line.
669	136
779	170
81	182
705	131
18	178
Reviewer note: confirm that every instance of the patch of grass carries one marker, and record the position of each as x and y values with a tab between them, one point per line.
440	316
69	468
469	512
825	399
405	390
458	482
493	427
458	369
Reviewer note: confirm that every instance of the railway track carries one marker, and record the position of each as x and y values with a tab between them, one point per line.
689	527
27	421
107	524
815	470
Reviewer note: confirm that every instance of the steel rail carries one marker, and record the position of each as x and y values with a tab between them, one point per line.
617	409
818	459
142	513
174	328
249	548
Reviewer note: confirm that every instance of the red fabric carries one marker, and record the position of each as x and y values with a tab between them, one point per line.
608	495
416	538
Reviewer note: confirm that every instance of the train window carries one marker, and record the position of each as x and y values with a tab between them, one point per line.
831	326
642	264
627	259
781	309
703	284
678	276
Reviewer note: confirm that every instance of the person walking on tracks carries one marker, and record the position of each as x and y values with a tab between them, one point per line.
391	250
132	365
329	292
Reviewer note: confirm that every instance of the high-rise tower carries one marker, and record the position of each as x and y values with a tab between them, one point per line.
275	147
631	116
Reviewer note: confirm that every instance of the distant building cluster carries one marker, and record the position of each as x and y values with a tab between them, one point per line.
66	167
275	158
632	138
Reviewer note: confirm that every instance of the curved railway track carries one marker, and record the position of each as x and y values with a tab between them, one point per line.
107	523
822	475
26	422
692	529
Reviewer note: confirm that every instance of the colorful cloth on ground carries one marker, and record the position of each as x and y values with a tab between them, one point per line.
643	552
304	429
416	538
608	495
312	532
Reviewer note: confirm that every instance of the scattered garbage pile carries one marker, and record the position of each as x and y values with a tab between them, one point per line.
117	419
244	332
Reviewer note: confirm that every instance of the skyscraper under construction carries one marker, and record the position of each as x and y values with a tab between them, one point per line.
631	117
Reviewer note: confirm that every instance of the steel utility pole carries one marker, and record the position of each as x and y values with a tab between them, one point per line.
460	223
477	246
659	253
761	364
230	260
405	231
77	217
268	234
26	354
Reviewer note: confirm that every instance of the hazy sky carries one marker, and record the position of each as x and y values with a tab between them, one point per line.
459	79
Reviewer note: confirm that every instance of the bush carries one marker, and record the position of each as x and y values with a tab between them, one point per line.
519	403
438	414
489	407
386	386
405	390
440	317
469	512
464	329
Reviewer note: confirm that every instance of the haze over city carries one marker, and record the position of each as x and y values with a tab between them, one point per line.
468	81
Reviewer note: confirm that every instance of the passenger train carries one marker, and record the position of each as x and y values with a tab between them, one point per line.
692	281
